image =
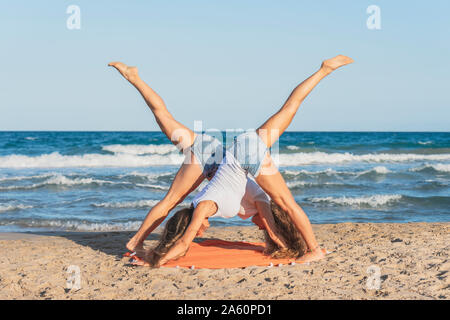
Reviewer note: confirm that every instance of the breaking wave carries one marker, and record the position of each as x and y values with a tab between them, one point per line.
295	159
377	170
11	207
56	160
371	201
140	149
141	156
74	225
61	180
441	167
132	204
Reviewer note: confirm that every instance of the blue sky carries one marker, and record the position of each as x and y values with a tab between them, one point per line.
228	63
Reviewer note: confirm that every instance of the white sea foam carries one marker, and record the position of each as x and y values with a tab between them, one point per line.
293	148
132	204
378	170
127	204
12	207
59	180
425	142
329	171
381	170
20	178
294	184
372	201
152	186
56	160
299	183
63	180
139	149
83	226
295	159
291	172
148	176
442	167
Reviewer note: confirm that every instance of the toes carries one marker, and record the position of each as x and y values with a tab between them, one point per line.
115	64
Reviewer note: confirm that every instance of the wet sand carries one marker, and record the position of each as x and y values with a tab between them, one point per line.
412	260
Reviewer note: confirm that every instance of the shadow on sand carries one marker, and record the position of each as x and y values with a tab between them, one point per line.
111	243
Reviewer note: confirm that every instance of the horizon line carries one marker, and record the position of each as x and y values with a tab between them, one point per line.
143	131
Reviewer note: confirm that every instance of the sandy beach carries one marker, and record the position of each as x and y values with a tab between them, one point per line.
413	260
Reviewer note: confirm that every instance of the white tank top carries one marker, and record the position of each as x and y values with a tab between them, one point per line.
232	190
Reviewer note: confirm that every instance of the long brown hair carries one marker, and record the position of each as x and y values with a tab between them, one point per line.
296	246
173	230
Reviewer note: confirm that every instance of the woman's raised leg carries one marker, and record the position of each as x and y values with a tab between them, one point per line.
270	178
189	175
180	135
274	127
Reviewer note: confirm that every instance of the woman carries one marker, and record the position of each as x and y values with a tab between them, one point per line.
249	155
203	156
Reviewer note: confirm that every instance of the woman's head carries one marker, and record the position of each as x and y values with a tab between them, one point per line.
296	246
173	230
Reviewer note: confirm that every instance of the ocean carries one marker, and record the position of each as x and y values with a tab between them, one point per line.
102	181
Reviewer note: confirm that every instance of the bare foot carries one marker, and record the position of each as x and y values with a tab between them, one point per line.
134	246
311	256
336	62
146	260
129	73
141	261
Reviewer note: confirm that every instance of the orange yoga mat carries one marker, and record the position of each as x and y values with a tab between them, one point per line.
220	254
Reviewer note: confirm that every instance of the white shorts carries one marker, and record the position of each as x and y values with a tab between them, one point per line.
209	153
249	151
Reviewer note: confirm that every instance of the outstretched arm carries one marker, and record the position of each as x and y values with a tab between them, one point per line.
204	210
